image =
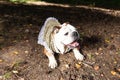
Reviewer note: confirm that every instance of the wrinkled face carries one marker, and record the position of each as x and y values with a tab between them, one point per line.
67	34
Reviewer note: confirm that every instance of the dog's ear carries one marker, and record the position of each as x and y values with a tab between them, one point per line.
56	29
66	23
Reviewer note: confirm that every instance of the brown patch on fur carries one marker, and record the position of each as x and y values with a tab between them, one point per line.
65	47
66	23
47	53
56	29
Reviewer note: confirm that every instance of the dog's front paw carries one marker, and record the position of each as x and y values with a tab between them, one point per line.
79	57
52	63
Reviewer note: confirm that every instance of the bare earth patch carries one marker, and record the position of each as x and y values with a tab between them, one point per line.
21	58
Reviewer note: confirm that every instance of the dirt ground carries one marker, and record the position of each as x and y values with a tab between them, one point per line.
21	58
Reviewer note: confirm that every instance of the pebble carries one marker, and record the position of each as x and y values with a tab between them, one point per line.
26	52
27	31
78	66
1	77
15	72
1	60
21	79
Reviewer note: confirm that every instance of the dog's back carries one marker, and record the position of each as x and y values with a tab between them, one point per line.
45	36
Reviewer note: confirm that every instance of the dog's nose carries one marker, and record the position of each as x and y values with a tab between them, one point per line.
75	33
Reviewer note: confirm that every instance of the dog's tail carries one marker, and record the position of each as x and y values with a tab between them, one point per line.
46	30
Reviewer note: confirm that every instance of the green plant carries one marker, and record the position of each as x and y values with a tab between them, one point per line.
18	1
7	75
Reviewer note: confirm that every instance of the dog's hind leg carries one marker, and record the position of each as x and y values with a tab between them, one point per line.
51	57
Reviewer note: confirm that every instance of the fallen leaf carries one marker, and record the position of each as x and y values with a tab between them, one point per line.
96	67
113	72
78	65
115	62
1	60
107	40
15	52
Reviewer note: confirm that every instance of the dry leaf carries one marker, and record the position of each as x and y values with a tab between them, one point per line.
78	65
106	40
115	62
15	52
1	60
113	72
96	67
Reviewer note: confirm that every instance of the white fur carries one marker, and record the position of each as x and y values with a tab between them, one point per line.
78	55
59	46
66	28
52	62
61	40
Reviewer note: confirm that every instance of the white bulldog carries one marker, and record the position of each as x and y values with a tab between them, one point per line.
58	38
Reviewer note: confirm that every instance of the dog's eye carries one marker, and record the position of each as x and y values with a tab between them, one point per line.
66	34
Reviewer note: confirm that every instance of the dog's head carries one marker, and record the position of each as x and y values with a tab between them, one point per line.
67	35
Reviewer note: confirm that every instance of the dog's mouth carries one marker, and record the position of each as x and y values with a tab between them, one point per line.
74	44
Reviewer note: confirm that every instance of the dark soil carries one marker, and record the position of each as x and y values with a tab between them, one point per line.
21	58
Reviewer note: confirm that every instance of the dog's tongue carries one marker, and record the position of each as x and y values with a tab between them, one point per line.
73	44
